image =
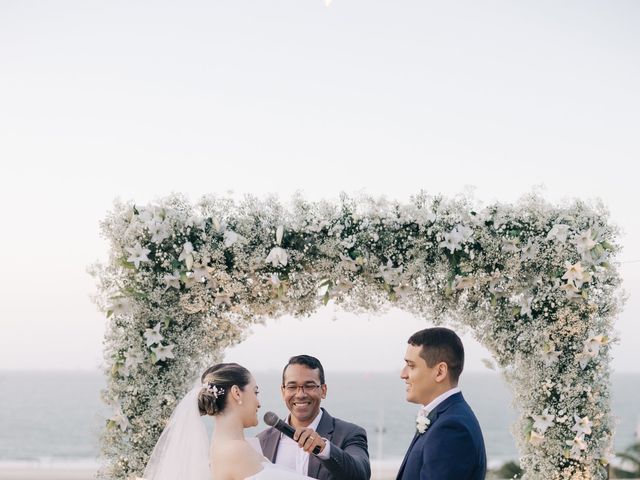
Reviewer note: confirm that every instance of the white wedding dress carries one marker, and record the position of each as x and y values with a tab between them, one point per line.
182	451
269	470
275	472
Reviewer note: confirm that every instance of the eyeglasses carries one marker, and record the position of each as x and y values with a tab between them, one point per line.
308	388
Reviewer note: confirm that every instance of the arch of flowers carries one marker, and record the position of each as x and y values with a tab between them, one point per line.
534	282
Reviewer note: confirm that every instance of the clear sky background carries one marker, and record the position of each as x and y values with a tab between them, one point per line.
138	99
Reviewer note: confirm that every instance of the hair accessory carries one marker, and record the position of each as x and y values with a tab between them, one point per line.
211	388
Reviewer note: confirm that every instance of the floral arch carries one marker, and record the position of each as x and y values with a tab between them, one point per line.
533	281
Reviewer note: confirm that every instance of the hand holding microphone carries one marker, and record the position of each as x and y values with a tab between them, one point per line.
306	438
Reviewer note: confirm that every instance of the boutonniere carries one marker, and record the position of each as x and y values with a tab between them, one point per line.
422	422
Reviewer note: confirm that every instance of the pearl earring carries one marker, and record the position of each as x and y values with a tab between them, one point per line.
239	402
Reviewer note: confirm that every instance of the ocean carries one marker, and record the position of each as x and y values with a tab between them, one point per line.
56	417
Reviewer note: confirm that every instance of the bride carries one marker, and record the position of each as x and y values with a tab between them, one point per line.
228	393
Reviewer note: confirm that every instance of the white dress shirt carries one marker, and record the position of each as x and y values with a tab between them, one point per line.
291	456
428	408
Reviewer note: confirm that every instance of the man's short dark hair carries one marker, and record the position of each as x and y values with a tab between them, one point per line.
440	344
308	361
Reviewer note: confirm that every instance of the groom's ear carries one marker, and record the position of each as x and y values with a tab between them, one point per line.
442	372
323	389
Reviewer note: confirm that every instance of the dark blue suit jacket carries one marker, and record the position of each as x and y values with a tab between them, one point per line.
452	448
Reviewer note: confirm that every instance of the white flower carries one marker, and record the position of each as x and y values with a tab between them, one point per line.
277	257
119	305
584	242
592	344
213	389
559	232
583	359
279	234
119	417
530	250
138	254
582	425
231	238
456	237
577	445
422	422
536	438
163	352
524	302
201	272
543	422
147	215
449	241
274	279
187	255
465	233
510	246
549	353
153	335
172	280
402	291
159	231
570	290
133	358
222	298
464	282
348	263
575	274
424	216
389	273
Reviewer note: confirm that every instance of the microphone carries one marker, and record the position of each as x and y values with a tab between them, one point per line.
272	420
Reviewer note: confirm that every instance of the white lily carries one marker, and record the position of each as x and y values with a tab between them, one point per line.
163	352
536	438
137	254
153	335
119	417
132	358
279	234
559	232
549	353
159	231
464	282
201	272
592	344
231	238
576	274
222	298
187	255
119	305
543	422
582	425
583	359
584	242
530	250
577	445
172	280
277	257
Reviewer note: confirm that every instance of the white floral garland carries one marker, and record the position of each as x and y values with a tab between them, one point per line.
533	281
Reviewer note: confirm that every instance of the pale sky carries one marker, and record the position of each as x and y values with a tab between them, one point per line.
136	100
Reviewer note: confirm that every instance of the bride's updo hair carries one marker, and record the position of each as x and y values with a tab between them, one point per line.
216	385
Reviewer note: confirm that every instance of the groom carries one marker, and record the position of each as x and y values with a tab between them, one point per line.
448	443
343	454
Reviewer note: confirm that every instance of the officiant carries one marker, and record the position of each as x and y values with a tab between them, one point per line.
343	453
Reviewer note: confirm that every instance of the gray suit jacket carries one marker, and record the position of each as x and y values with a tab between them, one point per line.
348	455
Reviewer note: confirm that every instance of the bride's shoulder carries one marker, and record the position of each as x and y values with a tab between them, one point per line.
235	459
235	450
